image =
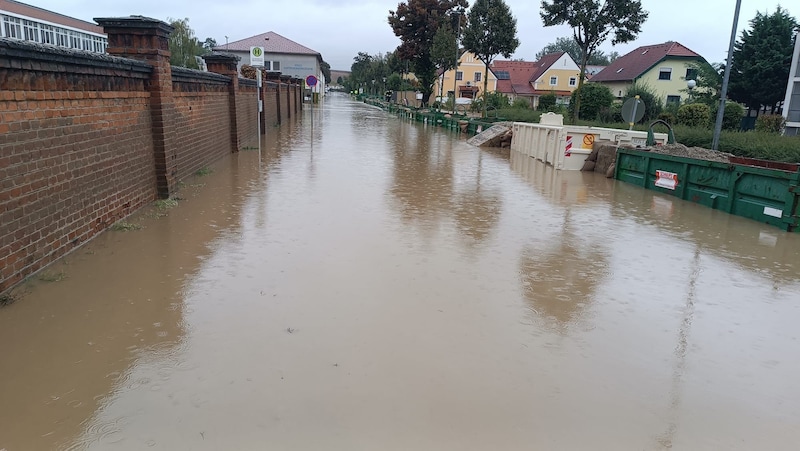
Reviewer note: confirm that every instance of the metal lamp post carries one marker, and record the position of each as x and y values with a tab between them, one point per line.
725	78
691	84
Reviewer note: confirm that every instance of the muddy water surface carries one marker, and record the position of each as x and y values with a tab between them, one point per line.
364	283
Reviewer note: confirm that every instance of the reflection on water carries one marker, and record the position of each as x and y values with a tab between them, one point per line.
364	282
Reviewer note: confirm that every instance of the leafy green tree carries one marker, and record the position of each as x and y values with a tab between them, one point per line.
339	80
708	79
592	21
761	61
415	22
594	97
444	51
326	71
209	44
571	47
183	45
653	105
491	31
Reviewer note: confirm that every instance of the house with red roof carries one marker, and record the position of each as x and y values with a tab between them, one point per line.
664	67
555	73
280	55
466	81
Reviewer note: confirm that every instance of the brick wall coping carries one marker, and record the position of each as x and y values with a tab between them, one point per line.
23	50
247	82
185	75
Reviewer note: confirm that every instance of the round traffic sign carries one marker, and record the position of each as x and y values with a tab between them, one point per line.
633	109
311	80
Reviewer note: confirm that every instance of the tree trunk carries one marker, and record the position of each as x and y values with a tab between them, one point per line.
577	108
485	85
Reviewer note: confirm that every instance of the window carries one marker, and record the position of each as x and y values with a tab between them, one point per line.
691	74
272	66
12	27
31	30
478	76
673	100
459	75
573	81
553	81
665	73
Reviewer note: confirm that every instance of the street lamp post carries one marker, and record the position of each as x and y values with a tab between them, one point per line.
725	78
455	68
691	84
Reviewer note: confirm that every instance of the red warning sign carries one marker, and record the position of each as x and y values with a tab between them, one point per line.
668	180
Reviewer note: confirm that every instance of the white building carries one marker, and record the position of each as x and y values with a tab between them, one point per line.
791	105
31	23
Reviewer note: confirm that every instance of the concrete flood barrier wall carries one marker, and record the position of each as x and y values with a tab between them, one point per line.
457	123
86	139
765	191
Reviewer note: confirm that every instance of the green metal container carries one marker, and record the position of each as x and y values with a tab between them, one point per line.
757	189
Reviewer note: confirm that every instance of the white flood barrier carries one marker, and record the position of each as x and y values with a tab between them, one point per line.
567	146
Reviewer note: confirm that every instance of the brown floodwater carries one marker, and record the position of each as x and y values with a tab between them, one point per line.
367	283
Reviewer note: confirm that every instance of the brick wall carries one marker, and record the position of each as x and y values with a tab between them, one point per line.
75	151
271	104
86	139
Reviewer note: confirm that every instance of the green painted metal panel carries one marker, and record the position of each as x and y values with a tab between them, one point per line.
750	188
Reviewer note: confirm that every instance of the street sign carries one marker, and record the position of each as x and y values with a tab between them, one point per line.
257	56
311	80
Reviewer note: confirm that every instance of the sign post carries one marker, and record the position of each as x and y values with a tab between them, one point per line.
257	61
311	81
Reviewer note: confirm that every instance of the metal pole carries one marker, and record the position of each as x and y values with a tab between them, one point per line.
455	69
725	78
260	108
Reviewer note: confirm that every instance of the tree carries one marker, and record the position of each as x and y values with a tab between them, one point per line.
595	97
491	31
444	51
761	61
183	45
209	44
592	21
708	79
326	71
415	22
571	47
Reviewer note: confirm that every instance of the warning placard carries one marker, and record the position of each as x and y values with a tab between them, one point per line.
588	141
668	180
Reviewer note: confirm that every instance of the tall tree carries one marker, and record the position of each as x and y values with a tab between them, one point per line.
571	47
444	51
761	60
183	45
592	21
326	71
491	31
415	22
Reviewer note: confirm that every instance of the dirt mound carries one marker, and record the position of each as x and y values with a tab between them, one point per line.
700	153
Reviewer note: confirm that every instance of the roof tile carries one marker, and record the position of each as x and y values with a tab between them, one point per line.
633	64
272	43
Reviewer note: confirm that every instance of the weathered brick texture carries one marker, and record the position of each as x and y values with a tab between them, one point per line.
86	139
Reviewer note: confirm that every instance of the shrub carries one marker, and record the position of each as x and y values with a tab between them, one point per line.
521	102
518	114
652	104
694	115
594	97
770	123
732	117
667	117
546	102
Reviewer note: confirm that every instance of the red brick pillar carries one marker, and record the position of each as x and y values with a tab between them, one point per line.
226	64
298	87
276	78
146	39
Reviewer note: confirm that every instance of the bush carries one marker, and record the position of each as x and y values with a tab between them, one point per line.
731	118
546	102
652	104
667	117
521	102
694	115
594	97
770	123
518	114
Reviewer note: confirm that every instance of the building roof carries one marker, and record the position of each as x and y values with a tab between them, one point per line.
513	77
272	43
44	15
632	65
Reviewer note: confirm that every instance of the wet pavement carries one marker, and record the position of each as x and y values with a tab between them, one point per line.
367	283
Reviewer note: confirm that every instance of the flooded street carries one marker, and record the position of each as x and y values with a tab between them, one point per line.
366	283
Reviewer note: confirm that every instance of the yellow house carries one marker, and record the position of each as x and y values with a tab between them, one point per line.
466	80
554	73
663	67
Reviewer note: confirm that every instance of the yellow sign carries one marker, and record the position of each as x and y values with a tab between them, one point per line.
257	51
588	141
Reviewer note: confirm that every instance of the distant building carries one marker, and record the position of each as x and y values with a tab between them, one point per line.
554	73
791	106
466	82
664	67
34	24
280	55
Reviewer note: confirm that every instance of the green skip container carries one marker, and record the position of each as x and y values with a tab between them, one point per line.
765	191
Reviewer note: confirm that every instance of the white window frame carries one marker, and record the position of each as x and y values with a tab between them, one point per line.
553	80
573	81
477	77
665	70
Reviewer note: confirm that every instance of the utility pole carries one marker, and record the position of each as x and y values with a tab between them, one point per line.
725	78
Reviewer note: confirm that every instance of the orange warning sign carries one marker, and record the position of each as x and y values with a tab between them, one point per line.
588	141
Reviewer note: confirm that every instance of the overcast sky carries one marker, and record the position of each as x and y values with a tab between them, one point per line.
339	29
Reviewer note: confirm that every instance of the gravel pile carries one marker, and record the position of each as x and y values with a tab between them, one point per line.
700	153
